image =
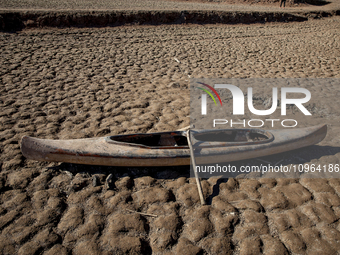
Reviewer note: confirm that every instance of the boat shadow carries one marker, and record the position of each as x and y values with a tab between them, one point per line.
299	156
303	155
166	172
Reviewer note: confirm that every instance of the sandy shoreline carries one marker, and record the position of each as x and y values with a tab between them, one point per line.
75	83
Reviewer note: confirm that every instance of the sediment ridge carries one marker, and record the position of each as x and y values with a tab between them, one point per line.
18	20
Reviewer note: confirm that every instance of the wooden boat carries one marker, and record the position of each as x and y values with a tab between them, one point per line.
171	148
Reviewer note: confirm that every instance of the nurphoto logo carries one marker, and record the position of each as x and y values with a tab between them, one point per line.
238	99
238	104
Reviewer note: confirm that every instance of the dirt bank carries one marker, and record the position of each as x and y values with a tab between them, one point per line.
17	20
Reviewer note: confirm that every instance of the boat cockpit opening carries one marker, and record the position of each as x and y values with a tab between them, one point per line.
231	136
174	139
153	139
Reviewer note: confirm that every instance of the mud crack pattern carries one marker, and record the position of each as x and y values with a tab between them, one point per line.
76	83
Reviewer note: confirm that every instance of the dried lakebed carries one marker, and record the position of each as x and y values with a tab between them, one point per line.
75	83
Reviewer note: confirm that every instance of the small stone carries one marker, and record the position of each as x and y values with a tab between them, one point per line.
109	181
95	181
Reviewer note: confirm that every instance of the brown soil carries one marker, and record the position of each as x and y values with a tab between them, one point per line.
16	15
293	3
166	4
76	83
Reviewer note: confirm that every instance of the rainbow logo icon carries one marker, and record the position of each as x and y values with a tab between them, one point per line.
204	97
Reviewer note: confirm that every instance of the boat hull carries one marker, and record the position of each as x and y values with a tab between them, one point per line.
284	140
100	152
109	151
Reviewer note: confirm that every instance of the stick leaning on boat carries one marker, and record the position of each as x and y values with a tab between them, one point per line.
171	148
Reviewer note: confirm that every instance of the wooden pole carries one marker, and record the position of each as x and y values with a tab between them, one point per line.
198	182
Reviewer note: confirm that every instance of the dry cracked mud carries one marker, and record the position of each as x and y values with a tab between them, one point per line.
77	83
